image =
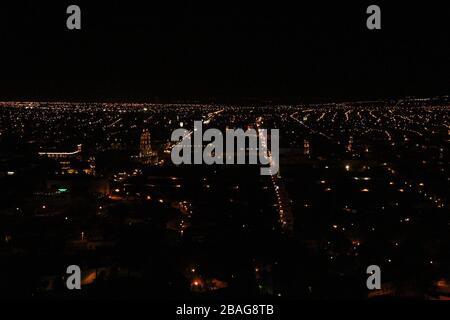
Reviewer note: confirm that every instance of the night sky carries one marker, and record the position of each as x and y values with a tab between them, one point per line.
226	51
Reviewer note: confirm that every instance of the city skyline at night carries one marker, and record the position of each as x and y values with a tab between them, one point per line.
356	180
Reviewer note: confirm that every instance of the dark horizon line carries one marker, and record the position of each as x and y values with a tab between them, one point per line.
222	100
